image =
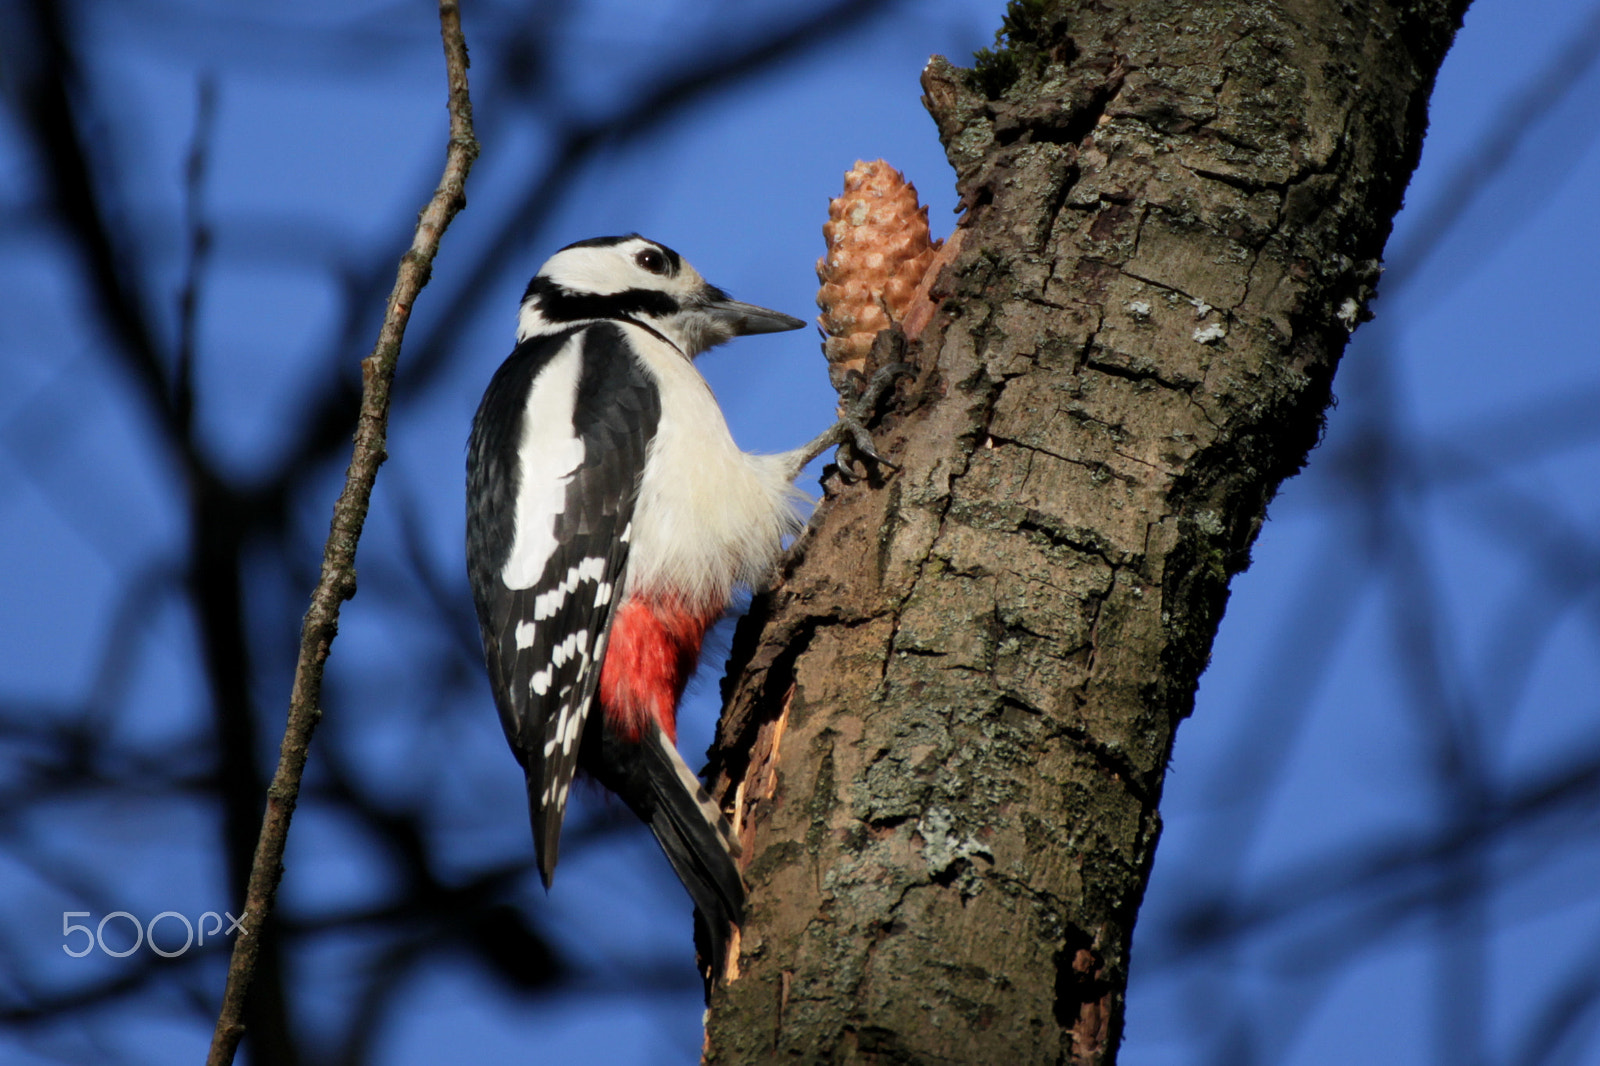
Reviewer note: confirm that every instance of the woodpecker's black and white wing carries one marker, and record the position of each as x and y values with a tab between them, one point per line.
557	450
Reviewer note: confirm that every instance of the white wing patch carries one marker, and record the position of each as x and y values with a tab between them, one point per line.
525	631
569	723
546	604
575	644
569	730
547	456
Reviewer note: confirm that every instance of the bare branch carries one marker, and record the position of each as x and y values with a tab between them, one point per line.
338	580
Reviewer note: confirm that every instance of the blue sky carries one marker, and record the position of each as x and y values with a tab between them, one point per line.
1423	598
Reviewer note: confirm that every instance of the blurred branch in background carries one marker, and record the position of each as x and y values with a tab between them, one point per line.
177	396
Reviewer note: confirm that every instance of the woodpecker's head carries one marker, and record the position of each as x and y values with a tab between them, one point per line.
634	278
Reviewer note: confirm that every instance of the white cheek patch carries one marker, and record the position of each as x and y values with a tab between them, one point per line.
595	271
547	456
608	270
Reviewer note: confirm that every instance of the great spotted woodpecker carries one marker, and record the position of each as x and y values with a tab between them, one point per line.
610	518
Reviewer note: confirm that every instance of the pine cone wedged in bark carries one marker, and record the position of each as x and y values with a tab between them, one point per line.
878	253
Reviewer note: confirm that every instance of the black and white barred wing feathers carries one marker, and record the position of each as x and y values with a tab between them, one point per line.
549	512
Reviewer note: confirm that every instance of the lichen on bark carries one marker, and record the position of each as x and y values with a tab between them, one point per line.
977	663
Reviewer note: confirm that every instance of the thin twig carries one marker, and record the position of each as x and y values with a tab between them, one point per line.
338	580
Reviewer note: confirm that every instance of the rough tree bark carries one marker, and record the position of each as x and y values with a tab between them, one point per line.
946	735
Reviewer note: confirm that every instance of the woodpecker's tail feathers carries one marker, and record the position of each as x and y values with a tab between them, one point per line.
697	839
546	815
708	807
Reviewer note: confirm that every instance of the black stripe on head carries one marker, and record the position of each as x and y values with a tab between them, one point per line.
563	305
604	242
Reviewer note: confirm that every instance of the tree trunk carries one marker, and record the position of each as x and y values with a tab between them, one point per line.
946	735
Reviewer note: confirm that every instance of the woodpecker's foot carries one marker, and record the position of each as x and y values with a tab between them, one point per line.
850	432
860	411
862	408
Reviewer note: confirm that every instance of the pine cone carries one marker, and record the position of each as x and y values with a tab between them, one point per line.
878	252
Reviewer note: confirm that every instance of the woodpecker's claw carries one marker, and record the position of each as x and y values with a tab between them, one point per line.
886	375
852	425
860	442
851	429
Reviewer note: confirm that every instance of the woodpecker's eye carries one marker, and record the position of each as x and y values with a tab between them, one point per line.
652	260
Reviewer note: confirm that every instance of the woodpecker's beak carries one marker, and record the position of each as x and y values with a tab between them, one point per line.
741	319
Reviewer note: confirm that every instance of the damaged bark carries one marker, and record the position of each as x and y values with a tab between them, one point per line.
947	726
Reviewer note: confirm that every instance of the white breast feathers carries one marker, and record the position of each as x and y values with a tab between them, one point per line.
709	516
